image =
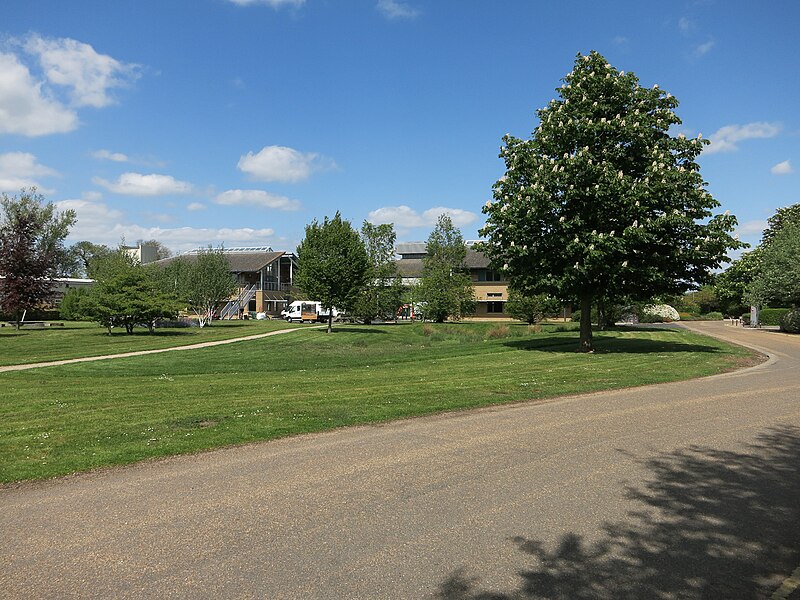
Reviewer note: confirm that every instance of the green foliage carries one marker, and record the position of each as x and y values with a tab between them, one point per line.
783	217
699	302
602	201
31	250
383	292
85	256
730	286
790	322
334	265
71	308
778	277
201	283
445	287
771	316
127	294
712	316
530	309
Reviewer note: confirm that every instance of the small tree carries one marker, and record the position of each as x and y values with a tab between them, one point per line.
445	286
31	250
531	309
602	201
383	291
334	266
127	294
204	283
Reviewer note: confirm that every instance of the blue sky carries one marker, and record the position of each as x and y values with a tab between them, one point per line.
201	122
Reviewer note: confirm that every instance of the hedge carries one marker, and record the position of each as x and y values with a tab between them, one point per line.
771	316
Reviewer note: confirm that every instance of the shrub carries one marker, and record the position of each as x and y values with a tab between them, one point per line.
771	316
712	316
790	321
663	311
745	319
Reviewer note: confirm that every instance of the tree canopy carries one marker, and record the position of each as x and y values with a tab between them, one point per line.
445	286
202	283
778	277
383	290
126	294
334	265
32	250
603	201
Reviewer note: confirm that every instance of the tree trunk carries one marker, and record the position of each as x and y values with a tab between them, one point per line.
586	344
330	320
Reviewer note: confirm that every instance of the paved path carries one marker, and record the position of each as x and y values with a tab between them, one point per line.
69	361
684	490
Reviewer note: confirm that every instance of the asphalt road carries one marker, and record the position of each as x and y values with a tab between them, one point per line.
685	490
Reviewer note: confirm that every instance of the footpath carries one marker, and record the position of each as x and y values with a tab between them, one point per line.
70	361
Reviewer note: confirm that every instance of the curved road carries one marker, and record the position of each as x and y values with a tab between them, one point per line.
683	490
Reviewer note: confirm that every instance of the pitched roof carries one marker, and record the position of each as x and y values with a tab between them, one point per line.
240	262
412	267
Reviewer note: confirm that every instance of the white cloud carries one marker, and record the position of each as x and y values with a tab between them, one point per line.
405	216
782	168
279	163
108	155
752	227
20	169
25	108
273	3
92	196
685	25
727	138
395	9
136	184
93	219
258	198
620	40
77	66
703	49
103	225
195	206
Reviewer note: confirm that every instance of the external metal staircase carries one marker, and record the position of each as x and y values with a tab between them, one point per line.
233	307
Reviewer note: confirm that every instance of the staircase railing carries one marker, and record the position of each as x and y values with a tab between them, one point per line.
233	307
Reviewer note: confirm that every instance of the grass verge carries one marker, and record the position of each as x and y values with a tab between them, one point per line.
78	339
59	420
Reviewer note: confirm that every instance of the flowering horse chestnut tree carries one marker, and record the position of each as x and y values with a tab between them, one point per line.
603	201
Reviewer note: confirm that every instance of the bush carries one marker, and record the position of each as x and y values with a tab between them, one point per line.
790	321
662	312
712	316
745	319
771	316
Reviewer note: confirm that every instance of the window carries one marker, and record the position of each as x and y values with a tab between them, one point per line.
494	307
488	275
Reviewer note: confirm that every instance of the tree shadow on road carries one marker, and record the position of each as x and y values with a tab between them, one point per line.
710	524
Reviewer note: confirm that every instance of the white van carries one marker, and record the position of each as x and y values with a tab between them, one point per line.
301	311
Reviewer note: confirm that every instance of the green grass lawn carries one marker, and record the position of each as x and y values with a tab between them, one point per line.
78	339
58	420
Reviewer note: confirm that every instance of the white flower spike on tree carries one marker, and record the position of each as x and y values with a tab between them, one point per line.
668	251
